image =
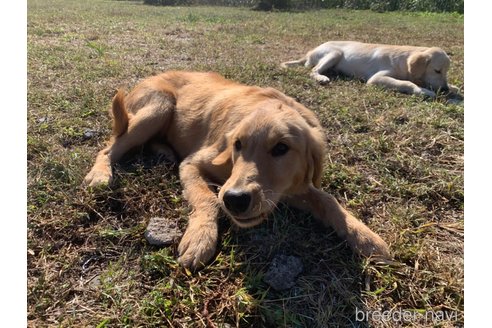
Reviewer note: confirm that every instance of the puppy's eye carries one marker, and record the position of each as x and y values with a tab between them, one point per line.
237	145
437	71
280	149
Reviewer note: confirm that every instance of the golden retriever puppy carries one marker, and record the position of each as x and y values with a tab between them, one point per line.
259	145
413	70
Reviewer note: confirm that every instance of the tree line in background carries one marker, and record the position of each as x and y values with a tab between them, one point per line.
376	5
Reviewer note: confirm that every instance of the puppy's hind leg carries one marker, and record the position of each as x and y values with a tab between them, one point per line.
129	132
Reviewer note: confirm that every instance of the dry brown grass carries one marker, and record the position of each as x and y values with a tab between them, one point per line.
394	160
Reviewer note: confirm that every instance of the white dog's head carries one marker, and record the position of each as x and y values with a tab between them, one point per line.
429	68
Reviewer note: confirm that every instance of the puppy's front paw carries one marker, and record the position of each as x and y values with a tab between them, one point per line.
369	244
197	245
98	177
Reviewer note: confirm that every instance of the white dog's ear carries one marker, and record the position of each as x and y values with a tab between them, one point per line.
417	64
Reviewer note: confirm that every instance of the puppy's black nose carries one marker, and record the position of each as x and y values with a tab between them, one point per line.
236	201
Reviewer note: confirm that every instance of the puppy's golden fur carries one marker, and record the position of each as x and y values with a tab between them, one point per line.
414	70
259	145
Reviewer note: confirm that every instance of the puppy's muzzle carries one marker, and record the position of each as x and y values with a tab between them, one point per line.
236	201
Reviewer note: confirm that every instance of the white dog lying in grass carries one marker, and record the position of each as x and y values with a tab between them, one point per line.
413	70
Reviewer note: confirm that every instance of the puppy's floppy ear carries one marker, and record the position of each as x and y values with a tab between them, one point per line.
224	157
417	64
316	146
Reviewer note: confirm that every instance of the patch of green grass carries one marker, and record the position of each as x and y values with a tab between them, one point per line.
395	161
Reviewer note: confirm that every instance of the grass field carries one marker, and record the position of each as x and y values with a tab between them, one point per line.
396	161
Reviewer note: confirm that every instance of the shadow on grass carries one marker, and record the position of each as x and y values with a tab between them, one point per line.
327	291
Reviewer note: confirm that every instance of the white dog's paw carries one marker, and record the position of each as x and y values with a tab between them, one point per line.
197	245
98	177
321	79
453	89
426	92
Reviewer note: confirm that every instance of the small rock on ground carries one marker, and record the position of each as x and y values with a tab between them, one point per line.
89	134
162	232
283	272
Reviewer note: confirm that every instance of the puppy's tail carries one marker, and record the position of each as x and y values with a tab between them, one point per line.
301	61
120	115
